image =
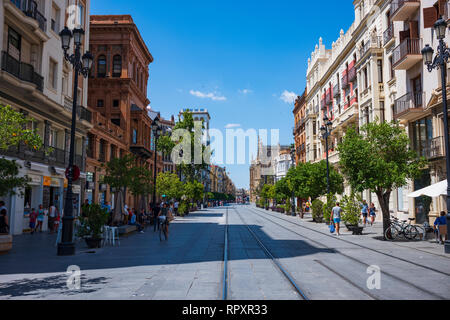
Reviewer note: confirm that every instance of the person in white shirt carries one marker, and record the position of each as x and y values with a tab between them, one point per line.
52	212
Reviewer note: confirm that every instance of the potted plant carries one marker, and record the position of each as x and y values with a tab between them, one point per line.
351	215
317	211
91	225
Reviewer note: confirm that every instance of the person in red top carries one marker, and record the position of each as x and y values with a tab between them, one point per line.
33	217
56	222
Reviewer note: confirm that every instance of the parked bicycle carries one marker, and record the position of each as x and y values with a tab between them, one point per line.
399	229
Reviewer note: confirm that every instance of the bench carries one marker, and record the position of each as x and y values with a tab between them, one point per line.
5	243
127	229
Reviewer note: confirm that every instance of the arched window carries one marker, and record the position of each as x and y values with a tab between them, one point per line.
117	66
101	66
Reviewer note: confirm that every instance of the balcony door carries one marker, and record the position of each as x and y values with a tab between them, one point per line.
417	92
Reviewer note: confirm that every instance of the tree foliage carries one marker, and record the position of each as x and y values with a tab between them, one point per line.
169	184
310	180
10	182
379	159
13	130
193	190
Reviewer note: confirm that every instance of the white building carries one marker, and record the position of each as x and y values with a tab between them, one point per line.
283	162
36	79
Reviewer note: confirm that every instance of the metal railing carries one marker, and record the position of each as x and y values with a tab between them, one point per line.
388	34
336	91
21	70
84	114
411	100
434	148
374	42
344	81
29	8
351	74
407	47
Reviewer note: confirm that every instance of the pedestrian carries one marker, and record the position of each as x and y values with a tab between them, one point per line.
336	217
3	207
440	221
365	212
40	217
125	214
175	207
56	222
373	213
33	218
52	213
4	223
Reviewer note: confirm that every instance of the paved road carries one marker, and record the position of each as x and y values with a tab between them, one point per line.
190	265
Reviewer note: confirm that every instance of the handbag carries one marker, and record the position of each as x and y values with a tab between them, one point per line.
332	228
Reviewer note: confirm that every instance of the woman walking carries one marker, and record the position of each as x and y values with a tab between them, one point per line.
40	218
372	212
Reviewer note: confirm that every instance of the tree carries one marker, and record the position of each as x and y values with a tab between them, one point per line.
310	180
119	176
14	132
379	159
267	193
141	184
193	190
283	190
169	184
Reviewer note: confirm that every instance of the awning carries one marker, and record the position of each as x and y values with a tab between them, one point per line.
433	191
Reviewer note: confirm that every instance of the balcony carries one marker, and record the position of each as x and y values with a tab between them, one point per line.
29	8
388	35
407	54
328	99
323	104
22	71
433	149
344	81
352	74
402	10
336	91
84	114
373	43
409	106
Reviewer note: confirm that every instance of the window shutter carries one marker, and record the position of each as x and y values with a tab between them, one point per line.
442	5
414	29
429	17
404	35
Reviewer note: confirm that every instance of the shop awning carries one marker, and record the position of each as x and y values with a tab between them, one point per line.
433	191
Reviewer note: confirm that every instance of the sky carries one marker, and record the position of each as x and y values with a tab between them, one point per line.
245	61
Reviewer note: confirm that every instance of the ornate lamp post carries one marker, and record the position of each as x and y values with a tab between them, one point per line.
293	191
156	129
326	132
440	62
81	66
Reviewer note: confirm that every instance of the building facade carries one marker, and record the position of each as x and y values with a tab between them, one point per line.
282	162
262	169
118	102
375	72
300	116
36	80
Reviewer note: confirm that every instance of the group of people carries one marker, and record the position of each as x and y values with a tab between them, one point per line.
366	211
37	218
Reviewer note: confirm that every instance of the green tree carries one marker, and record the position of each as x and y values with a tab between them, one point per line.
14	132
283	190
170	185
379	159
193	190
119	176
141	184
310	180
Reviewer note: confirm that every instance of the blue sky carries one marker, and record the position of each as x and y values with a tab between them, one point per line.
235	58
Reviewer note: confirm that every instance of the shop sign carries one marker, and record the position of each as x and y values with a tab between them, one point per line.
51	182
76	189
35	180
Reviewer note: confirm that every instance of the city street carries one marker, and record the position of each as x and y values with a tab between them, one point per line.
269	256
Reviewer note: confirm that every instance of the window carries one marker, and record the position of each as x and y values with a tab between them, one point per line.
81	15
134	136
116	103
383	111
101	67
366	83
55	18
53	138
65	84
380	71
391	71
117	66
53	74
14	44
100	103
116	122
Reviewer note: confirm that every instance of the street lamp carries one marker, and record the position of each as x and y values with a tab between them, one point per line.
156	129
81	66
293	191
440	62
326	132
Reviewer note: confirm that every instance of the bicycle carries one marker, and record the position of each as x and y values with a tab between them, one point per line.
401	228
163	226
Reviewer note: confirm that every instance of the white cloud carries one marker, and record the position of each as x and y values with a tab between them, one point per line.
203	95
232	125
245	91
288	97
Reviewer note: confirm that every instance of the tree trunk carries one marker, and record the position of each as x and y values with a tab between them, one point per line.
383	199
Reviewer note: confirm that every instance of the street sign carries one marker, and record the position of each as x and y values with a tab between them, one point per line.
76	173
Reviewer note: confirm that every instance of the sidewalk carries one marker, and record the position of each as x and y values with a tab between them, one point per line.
371	234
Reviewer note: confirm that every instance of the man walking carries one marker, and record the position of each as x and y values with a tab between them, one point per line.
336	217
